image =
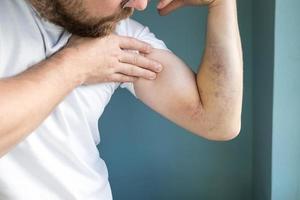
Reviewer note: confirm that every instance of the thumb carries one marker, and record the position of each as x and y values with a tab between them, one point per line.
171	7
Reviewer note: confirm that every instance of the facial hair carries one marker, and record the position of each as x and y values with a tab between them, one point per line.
72	15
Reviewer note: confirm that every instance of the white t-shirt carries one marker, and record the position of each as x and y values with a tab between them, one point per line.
59	160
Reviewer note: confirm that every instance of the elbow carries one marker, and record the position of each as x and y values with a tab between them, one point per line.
217	127
227	134
222	132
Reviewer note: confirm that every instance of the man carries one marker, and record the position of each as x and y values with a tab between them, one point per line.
54	87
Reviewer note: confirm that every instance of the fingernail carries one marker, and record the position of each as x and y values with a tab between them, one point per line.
159	68
152	77
160	5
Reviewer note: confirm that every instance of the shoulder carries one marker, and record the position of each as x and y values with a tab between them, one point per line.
132	28
14	10
17	24
15	17
129	27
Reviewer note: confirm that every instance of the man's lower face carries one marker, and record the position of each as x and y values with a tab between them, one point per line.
76	18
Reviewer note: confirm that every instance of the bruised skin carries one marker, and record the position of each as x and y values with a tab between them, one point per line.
175	88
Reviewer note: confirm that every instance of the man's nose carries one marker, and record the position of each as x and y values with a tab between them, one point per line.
138	4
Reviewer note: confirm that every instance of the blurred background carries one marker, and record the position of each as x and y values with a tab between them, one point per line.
151	158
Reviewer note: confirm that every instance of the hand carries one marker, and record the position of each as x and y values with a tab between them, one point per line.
166	6
97	60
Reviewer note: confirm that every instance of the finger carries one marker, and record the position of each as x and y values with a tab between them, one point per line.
134	44
141	61
132	70
163	3
171	7
119	77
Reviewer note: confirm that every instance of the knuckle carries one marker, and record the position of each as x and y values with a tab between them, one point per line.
136	42
146	64
122	79
111	77
117	55
131	39
111	70
113	39
135	58
127	79
150	64
132	70
145	47
126	39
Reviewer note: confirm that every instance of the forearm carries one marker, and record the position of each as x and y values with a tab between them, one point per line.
220	77
28	98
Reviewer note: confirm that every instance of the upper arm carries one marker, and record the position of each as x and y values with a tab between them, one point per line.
174	93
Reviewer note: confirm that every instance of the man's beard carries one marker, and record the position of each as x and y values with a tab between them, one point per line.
71	15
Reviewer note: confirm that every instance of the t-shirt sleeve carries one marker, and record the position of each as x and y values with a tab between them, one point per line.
137	30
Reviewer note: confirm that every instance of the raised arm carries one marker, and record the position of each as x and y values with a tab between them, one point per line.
208	103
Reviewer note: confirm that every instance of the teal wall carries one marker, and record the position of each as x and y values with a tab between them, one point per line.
263	64
276	58
286	117
149	157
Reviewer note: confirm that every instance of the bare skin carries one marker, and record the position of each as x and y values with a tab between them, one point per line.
208	103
